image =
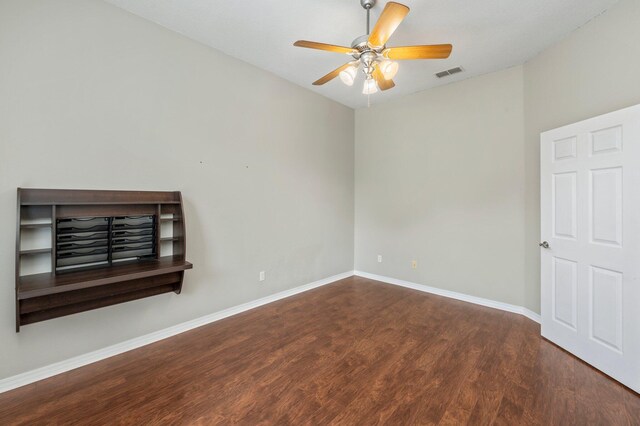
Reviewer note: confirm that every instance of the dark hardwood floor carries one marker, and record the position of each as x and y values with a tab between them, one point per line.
353	352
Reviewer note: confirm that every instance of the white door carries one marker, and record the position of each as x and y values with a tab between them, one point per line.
590	220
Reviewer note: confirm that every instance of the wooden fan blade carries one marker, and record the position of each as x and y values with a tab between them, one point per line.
435	51
324	46
380	80
389	20
333	74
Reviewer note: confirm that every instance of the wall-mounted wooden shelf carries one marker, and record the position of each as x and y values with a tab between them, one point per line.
106	247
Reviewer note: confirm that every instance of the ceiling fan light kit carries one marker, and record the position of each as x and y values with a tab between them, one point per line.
389	69
370	86
372	56
348	75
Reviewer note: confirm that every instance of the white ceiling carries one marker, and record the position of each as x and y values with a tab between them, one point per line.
487	35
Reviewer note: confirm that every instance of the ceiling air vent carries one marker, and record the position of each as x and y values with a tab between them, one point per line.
447	73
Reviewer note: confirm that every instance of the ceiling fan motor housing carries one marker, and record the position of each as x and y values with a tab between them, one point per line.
361	43
367	55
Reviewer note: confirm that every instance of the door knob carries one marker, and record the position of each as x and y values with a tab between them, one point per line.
544	244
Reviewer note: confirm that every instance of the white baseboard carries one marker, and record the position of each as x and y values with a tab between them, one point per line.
91	357
453	295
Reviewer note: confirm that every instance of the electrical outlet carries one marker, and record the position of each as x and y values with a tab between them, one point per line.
379	258
414	264
262	276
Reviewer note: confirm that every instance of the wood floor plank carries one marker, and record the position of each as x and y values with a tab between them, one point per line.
353	352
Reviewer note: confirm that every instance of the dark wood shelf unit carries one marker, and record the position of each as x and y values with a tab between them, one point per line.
49	283
128	227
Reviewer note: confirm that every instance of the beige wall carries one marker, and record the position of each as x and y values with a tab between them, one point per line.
94	97
439	179
594	71
450	176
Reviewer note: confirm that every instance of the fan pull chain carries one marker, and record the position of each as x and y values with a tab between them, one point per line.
368	100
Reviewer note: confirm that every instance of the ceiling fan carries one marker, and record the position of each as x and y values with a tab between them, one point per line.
371	53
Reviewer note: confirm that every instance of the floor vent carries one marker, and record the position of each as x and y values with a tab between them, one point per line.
447	73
